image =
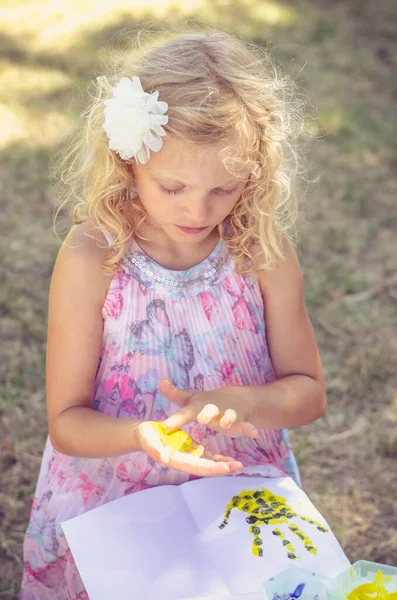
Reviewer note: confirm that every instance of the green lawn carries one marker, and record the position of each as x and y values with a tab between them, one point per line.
343	56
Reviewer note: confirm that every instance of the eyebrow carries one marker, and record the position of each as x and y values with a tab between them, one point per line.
176	181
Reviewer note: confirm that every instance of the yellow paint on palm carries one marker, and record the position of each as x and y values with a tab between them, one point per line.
179	440
376	590
265	508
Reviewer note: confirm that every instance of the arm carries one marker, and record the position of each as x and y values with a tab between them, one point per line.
298	396
77	293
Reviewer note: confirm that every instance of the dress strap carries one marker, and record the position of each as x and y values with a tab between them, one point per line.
108	237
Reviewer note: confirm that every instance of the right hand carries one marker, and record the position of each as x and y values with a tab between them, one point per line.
207	465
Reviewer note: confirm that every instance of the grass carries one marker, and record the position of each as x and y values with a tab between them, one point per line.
343	55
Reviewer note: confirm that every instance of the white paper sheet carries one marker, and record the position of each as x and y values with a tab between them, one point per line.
165	542
139	546
231	547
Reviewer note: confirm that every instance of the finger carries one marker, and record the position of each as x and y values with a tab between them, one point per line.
222	458
249	429
179	397
238	429
208	413
203	467
228	418
182	417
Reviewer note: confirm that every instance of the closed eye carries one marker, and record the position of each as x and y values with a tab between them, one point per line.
170	192
220	191
226	192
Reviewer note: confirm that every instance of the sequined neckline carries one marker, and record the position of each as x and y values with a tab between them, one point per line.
152	274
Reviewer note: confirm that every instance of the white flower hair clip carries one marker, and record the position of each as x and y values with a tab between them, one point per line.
133	119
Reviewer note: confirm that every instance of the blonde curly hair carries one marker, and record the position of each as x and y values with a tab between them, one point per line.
214	84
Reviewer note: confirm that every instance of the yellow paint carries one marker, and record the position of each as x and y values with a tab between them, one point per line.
286	543
373	591
304	538
179	440
265	508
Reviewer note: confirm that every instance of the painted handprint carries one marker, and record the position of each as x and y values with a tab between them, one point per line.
265	508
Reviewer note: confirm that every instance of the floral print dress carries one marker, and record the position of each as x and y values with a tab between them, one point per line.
202	328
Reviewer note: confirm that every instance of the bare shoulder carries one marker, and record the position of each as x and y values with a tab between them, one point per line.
80	260
286	279
87	240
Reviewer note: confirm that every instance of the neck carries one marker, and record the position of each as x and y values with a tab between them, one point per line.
171	254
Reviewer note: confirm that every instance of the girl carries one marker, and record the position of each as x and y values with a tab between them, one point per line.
177	296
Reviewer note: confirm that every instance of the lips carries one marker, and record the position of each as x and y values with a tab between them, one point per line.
191	229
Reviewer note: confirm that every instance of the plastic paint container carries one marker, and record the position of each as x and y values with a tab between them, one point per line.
300	584
362	573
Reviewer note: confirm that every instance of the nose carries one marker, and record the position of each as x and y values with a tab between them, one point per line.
196	210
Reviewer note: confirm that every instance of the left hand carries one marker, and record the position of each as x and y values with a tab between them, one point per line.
223	410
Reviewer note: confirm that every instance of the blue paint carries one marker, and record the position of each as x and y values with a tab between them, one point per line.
297	593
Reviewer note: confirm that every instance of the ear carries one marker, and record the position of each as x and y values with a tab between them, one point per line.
179	397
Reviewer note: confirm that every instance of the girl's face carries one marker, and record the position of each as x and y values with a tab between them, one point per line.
186	191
